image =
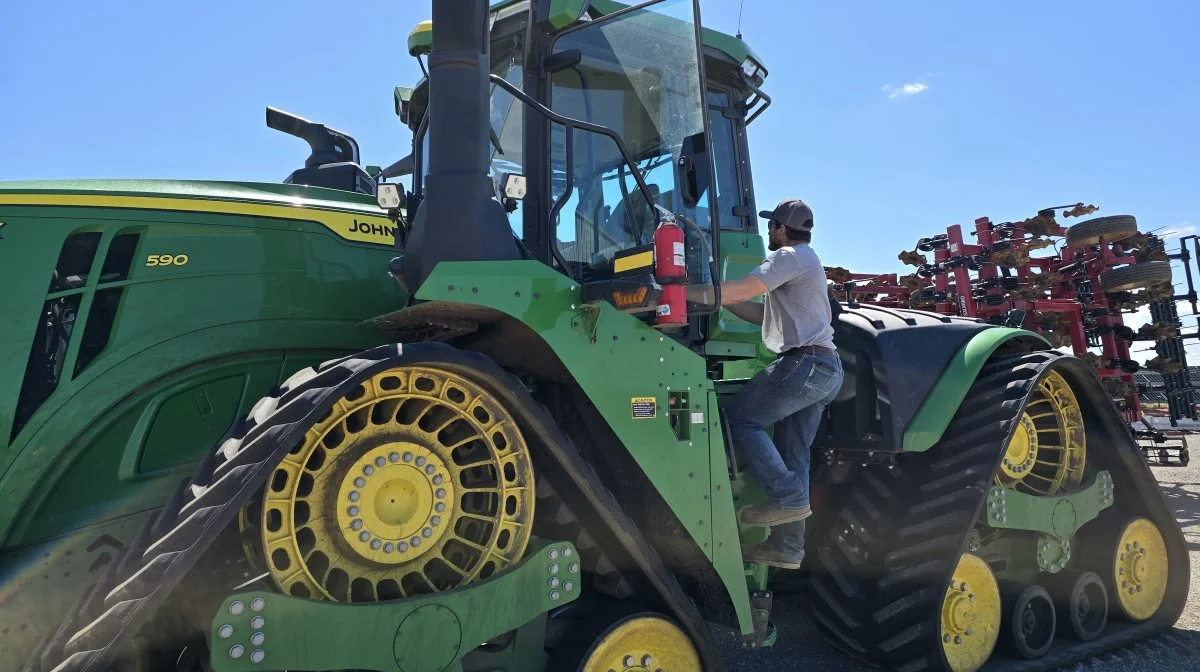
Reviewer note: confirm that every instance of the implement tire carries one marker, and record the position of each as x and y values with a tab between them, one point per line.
1111	229
1135	276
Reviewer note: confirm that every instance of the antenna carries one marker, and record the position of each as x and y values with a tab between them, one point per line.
741	3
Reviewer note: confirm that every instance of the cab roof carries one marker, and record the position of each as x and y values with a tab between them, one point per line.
563	12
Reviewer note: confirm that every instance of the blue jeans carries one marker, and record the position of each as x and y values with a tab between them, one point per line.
791	393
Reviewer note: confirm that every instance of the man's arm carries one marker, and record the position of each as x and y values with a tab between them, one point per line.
748	310
732	291
735	295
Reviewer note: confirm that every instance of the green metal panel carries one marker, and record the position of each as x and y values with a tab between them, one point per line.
649	365
188	344
1059	516
727	556
246	192
428	633
729	334
942	403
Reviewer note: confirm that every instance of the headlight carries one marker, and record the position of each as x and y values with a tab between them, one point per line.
753	71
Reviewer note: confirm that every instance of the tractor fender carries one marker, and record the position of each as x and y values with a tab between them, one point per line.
906	372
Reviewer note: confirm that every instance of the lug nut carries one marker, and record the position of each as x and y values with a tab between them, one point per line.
360	481
258	604
379	462
257	656
257	622
236	607
368	470
408	457
394	457
225	631
420	461
236	651
257	639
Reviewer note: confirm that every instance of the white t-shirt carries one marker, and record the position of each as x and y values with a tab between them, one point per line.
796	308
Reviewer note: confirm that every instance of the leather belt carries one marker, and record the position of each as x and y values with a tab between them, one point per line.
808	350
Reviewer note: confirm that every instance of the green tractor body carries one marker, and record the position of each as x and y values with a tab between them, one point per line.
256	426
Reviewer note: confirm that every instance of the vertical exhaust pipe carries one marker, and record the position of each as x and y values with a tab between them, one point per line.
458	219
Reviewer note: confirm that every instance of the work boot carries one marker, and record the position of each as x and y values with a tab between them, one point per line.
770	514
767	554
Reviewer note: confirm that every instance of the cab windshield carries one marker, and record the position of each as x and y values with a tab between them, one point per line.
637	73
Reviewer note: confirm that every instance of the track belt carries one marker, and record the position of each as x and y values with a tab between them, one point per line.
881	573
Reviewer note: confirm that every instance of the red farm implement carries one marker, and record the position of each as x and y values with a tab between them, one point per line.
1074	285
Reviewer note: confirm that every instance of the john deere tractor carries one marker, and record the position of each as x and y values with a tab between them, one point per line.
335	424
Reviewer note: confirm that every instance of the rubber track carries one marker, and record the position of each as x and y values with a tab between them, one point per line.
229	476
881	572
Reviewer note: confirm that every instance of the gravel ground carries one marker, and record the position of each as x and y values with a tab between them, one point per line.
800	646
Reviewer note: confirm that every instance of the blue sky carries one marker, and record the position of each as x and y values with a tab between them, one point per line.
893	119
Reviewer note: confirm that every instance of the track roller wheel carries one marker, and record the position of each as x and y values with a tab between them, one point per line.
1139	569
971	615
1082	603
417	481
641	642
1029	621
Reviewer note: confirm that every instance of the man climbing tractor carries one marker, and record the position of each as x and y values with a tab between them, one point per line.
791	392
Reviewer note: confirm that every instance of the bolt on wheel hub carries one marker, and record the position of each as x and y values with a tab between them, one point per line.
393	500
646	643
971	616
1140	569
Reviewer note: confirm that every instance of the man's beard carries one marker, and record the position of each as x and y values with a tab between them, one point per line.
773	245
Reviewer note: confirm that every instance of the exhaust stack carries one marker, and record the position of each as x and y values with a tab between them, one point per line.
458	219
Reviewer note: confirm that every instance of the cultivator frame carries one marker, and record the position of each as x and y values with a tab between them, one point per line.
1076	297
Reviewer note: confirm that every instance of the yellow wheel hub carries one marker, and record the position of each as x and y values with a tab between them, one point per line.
416	481
1140	569
644	643
393	501
970	621
1048	450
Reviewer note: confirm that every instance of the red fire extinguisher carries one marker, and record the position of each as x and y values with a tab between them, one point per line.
671	272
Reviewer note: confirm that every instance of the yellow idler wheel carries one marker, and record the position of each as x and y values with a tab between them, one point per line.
642	643
1140	569
417	481
971	615
1048	451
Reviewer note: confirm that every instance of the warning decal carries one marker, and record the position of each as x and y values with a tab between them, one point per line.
644	407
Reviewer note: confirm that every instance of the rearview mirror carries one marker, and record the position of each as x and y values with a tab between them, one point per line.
389	195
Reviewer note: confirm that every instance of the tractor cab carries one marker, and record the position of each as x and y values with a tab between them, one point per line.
599	129
334	162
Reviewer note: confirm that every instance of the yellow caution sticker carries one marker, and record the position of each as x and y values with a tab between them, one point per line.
644	407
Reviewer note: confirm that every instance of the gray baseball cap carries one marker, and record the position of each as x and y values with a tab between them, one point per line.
792	213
